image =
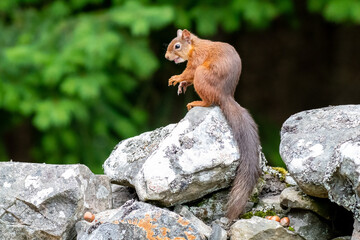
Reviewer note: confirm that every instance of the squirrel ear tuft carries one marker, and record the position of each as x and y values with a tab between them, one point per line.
186	35
179	33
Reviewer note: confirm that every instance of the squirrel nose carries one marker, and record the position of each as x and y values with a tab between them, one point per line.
167	56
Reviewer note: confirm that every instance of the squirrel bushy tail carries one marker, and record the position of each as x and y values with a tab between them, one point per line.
246	135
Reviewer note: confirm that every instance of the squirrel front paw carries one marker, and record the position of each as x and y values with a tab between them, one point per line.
174	80
182	87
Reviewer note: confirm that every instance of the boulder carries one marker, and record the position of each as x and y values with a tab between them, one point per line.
178	163
257	228
309	225
121	194
321	149
41	201
138	220
200	225
217	233
293	198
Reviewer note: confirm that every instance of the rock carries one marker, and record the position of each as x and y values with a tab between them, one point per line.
40	201
273	183
199	225
289	180
138	220
258	228
356	232
128	157
269	203
210	207
309	225
178	163
293	198
121	194
342	238
321	149
217	233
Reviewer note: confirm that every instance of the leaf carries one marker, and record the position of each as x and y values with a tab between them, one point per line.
86	87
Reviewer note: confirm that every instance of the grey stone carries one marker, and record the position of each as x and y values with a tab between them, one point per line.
309	225
217	233
270	202
290	180
210	207
199	225
257	228
121	194
321	149
40	201
138	220
356	232
292	197
178	163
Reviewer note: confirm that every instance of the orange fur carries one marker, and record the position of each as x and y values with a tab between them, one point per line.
214	68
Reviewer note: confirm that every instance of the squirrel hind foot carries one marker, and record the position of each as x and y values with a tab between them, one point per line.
197	104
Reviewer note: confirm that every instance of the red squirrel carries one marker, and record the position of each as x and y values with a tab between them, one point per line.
214	68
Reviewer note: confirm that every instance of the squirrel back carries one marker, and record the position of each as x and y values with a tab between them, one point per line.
214	68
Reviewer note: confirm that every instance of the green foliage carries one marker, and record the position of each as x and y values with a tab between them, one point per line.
337	11
73	73
77	69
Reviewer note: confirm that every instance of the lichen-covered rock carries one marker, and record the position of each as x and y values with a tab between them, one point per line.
217	233
121	194
211	207
293	198
40	201
309	225
257	228
200	225
138	220
178	163
321	149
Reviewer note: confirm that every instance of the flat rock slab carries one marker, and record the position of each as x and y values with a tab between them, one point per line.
293	198
180	162
138	220
257	228
41	201
321	149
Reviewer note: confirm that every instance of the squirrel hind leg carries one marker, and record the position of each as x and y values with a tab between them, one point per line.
197	104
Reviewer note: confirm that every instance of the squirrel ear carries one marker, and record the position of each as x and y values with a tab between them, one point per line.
186	35
179	33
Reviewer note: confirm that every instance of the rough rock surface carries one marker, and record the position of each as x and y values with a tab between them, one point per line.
295	199
121	194
257	228
40	201
138	220
309	225
217	233
321	149
195	157
211	207
200	225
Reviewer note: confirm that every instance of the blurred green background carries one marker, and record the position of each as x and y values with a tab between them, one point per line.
78	76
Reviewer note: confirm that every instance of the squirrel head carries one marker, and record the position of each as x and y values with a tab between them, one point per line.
179	48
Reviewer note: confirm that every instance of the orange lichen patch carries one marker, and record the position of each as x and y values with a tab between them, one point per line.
116	222
164	231
190	236
147	223
183	221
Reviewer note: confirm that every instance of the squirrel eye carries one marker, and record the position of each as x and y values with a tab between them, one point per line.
177	46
